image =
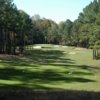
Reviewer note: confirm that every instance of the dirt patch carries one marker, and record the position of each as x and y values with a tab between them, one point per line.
14	57
8	57
48	95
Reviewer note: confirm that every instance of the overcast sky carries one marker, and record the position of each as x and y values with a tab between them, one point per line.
57	10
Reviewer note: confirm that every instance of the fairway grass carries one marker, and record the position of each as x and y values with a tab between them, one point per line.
52	67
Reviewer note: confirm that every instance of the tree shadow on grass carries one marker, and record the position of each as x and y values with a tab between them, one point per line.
39	57
48	56
89	67
31	78
14	71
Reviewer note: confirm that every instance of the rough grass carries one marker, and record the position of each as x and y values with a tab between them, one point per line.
51	68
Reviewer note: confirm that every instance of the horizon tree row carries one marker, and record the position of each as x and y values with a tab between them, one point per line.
83	32
18	29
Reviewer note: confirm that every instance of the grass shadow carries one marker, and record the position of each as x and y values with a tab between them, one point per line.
48	56
33	78
17	70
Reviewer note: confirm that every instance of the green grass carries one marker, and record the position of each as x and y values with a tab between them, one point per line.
52	68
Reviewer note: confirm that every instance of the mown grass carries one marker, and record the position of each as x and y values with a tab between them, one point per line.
52	68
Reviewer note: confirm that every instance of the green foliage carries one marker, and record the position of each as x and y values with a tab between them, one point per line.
14	26
45	31
18	29
83	32
86	29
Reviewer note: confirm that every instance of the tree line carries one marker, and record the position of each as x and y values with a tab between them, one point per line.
18	29
14	26
83	32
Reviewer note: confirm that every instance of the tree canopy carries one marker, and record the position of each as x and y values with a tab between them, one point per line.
18	29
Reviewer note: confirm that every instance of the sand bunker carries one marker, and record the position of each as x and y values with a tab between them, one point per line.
64	46
72	53
56	46
37	47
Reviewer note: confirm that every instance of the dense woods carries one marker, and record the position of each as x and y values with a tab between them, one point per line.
18	29
14	27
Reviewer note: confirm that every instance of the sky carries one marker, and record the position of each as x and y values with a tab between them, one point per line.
57	10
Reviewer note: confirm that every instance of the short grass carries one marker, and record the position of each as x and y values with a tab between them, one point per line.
52	67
